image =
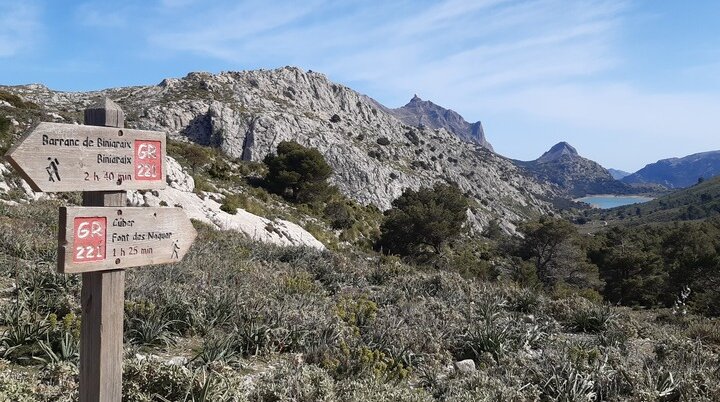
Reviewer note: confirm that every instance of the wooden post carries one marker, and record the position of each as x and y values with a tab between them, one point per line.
102	297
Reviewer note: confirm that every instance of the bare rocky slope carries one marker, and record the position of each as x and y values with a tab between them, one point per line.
374	155
574	175
420	112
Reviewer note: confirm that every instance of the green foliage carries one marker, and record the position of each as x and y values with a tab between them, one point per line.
195	156
5	136
201	184
147	380
297	173
356	312
651	265
558	253
305	384
471	259
339	214
592	319
265	322
145	325
16	101
424	220
231	203
701	201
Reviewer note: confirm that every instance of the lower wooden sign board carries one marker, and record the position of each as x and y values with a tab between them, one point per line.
105	238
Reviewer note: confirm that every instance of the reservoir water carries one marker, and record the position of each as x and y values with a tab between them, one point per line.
612	201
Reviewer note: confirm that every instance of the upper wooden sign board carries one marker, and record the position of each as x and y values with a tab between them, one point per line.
107	238
57	157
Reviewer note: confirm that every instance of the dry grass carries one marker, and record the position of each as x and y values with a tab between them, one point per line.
259	322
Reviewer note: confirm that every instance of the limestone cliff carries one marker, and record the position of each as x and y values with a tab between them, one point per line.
374	155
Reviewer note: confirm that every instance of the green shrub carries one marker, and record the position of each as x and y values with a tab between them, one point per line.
231	203
151	380
306	383
16	101
201	184
357	311
593	319
383	141
339	214
219	169
298	173
423	220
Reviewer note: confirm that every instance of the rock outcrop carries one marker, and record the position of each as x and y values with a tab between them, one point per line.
206	208
421	113
374	155
574	175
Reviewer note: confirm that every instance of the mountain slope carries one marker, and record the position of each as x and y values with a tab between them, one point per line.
374	156
618	174
574	175
678	172
700	201
418	113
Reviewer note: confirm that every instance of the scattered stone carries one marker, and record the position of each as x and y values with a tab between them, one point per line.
177	361
465	366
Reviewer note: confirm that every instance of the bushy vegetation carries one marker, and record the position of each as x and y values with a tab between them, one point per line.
700	201
245	321
298	173
558	253
16	101
423	221
5	135
652	265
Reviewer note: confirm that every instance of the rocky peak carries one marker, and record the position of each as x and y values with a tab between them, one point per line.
574	175
374	156
420	112
559	150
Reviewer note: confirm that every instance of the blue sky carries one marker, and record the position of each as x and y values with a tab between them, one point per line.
625	82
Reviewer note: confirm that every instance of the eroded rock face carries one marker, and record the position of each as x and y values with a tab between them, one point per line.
420	112
374	155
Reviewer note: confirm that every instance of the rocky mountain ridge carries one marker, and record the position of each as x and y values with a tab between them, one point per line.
678	172
618	174
420	113
374	155
574	175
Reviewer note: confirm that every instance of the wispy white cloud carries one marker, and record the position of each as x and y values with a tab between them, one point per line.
544	60
19	26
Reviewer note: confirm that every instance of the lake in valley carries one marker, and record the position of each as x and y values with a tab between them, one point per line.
612	201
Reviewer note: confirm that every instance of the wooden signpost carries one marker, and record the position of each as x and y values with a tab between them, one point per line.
101	238
65	157
104	236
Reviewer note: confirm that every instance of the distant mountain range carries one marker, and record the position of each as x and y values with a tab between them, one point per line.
574	175
678	172
420	113
618	174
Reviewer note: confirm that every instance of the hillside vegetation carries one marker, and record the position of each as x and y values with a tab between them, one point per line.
238	320
700	201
